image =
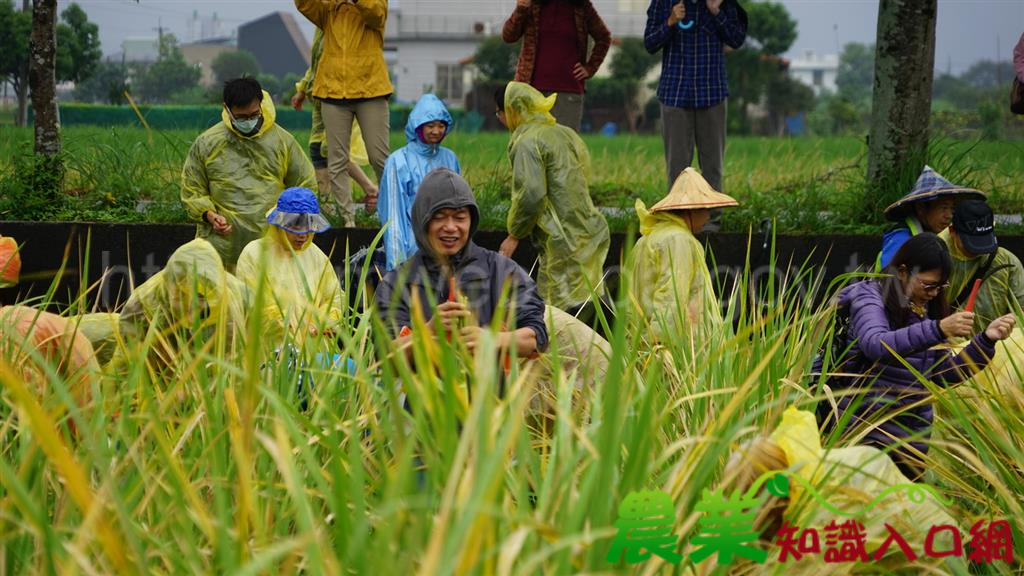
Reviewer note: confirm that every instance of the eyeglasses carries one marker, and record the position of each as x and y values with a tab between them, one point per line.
244	117
932	287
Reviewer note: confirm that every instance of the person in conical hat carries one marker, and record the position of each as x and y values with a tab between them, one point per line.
928	207
670	281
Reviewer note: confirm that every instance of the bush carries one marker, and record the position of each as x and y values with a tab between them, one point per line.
32	188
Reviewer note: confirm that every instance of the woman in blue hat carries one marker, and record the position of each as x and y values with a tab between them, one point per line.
928	207
303	295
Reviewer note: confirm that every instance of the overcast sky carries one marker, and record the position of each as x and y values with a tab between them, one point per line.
968	30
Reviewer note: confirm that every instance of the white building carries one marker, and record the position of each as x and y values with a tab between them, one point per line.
428	42
817	71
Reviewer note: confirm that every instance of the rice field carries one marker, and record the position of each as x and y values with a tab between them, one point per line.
811	185
210	463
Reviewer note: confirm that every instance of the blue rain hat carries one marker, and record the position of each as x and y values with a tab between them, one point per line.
298	212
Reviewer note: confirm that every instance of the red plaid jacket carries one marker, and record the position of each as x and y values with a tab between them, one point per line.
523	24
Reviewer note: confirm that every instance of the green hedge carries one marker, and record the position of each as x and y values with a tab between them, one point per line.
202	117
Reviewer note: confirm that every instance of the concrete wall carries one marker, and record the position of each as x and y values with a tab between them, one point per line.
129	254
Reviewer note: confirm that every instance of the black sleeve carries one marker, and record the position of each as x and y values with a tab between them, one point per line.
392	304
529	304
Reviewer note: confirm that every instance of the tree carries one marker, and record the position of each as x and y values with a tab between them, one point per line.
989	74
755	66
630	65
901	100
271	84
108	84
496	60
787	96
15	30
235	64
43	79
78	45
168	75
856	74
771	29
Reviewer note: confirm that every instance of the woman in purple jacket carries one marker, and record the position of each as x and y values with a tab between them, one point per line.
904	315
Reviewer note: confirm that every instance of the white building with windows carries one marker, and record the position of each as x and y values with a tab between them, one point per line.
816	70
428	43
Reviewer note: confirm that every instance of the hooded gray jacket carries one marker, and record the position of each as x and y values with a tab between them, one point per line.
480	274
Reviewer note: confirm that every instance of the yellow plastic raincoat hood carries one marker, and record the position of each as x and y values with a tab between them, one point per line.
524	104
240	178
670	280
551	204
303	291
194	275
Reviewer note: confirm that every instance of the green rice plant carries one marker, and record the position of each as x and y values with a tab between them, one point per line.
415	463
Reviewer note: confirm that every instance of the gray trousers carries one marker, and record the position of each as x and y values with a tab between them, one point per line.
682	128
568	110
375	123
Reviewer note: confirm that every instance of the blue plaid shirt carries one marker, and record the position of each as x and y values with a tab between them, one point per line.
693	60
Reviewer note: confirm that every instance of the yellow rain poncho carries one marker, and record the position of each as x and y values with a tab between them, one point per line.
849	479
302	290
193	277
670	281
318	134
240	177
551	204
101	328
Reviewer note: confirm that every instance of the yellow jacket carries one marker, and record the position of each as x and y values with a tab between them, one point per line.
670	280
352	65
302	289
240	178
317	133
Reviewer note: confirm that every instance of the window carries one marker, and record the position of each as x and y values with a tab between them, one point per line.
819	77
449	82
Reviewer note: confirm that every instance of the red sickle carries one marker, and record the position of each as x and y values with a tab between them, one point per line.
974	294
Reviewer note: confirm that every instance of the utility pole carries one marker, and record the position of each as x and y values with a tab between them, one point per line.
160	37
999	58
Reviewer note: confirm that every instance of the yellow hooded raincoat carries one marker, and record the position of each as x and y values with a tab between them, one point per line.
551	204
240	178
669	277
303	291
194	274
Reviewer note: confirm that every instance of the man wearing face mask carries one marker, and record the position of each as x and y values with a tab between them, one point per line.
235	171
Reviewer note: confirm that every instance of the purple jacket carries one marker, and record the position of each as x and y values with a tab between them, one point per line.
886	385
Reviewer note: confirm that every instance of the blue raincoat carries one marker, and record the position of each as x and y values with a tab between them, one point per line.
403	173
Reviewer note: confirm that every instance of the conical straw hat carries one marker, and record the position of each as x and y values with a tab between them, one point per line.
692	192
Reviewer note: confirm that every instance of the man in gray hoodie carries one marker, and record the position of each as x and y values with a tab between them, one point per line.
456	282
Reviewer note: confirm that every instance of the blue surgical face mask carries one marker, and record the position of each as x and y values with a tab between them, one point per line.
245	126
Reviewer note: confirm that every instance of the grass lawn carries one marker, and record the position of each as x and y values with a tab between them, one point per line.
793	180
